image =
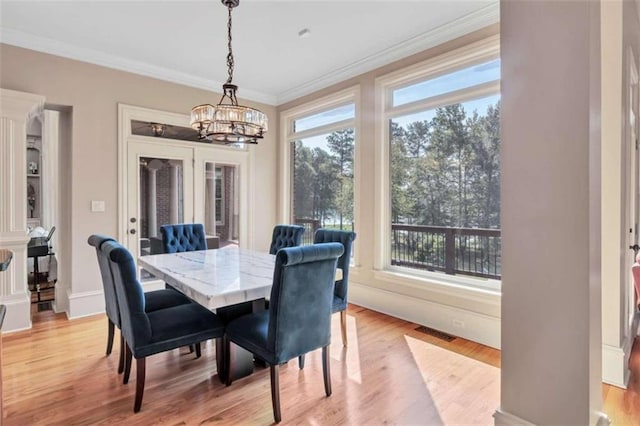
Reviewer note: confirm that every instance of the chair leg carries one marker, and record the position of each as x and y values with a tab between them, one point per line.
326	371
301	362
198	350
140	374
127	363
112	329
122	350
275	392
343	327
190	349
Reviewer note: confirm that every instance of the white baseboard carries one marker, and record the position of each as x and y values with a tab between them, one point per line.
503	418
85	304
459	322
18	315
92	302
615	360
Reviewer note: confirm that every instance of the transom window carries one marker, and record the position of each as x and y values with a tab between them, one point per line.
443	138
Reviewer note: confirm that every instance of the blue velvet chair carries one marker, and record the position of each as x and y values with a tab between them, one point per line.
285	236
148	333
183	237
154	300
299	316
340	302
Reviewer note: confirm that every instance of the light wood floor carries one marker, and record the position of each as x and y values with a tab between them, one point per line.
57	373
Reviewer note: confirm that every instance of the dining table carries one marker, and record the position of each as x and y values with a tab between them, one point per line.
218	279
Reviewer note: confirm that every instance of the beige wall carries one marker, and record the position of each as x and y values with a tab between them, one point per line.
93	93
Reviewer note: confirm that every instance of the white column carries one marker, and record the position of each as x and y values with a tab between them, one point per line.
174	182
551	303
15	107
152	198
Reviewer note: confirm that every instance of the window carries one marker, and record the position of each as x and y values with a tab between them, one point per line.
443	139
219	195
321	144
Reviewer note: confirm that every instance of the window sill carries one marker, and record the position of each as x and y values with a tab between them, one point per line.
417	285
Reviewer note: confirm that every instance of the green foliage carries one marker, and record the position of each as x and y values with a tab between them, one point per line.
323	180
446	171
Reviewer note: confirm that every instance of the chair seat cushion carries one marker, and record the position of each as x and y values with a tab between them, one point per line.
250	332
178	326
162	299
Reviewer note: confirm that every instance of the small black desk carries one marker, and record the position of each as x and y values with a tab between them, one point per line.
35	252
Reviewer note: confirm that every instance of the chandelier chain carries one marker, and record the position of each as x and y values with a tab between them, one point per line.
230	62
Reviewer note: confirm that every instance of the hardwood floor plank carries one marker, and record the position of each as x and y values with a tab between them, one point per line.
57	373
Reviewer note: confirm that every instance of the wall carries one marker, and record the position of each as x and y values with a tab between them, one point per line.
93	93
434	304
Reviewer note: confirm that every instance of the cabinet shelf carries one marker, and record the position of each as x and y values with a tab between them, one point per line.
32	175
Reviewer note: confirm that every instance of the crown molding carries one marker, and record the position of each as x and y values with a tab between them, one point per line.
471	22
54	47
453	29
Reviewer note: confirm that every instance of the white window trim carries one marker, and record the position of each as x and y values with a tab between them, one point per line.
472	54
335	100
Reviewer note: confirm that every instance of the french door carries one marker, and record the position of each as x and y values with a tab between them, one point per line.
164	180
160	191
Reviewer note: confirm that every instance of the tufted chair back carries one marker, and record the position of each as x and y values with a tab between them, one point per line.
183	237
300	304
346	238
285	236
110	301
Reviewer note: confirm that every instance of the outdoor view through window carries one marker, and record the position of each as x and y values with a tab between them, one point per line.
323	170
445	173
443	133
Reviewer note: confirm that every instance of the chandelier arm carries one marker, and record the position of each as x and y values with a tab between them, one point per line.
230	61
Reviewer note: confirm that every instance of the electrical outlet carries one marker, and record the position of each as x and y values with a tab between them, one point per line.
458	323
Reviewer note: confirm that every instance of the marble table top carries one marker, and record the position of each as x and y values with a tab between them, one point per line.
215	278
5	259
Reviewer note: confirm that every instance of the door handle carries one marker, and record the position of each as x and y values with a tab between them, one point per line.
132	231
635	247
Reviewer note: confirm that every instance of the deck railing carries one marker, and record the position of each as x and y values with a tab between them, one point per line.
310	226
464	251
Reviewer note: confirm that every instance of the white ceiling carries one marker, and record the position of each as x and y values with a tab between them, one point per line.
185	41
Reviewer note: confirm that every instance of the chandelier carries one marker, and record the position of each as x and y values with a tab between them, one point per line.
229	122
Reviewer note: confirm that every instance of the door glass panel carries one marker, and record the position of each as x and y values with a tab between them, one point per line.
161	200
221	203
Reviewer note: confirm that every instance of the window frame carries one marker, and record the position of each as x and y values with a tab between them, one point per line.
467	56
287	135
